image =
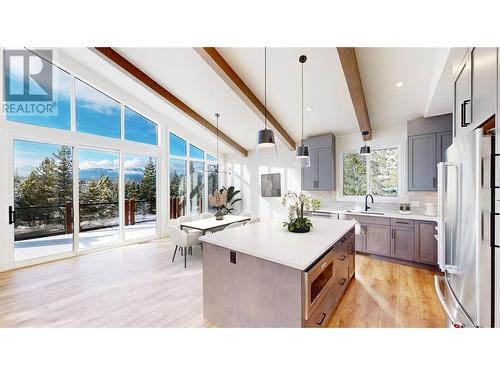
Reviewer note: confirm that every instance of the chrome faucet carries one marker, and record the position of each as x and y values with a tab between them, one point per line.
366	201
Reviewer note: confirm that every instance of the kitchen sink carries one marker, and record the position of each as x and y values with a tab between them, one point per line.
364	212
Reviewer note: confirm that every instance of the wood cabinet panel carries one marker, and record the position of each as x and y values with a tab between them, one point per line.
320	176
444	140
403	243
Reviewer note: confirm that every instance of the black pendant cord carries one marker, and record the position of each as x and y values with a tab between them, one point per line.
265	88
302	137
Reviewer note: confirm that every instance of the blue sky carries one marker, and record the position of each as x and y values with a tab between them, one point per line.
29	155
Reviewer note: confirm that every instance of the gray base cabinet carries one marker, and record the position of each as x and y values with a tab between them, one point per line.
377	239
403	239
403	243
426	244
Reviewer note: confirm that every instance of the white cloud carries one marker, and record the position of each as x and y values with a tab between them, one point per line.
107	164
91	99
135	163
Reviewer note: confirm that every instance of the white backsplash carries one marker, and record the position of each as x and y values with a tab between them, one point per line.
328	201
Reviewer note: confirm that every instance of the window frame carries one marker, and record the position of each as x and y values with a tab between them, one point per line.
188	159
379	198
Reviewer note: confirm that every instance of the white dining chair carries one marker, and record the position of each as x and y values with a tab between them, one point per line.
206	215
247	213
183	241
233	225
253	220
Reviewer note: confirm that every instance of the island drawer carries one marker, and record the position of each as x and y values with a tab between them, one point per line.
321	315
341	257
341	279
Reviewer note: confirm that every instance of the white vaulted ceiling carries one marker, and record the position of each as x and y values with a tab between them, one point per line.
425	71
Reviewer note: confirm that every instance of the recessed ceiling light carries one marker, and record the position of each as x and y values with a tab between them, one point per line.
309	109
399	84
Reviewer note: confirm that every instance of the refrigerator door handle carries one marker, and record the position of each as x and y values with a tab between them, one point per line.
456	324
442	168
437	281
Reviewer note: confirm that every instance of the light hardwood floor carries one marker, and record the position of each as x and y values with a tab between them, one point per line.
138	286
386	294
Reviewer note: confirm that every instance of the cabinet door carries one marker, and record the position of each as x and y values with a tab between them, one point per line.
403	243
444	140
426	251
462	98
310	174
422	166
484	64
377	239
325	168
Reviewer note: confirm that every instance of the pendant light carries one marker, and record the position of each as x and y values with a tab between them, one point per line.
302	153
219	168
265	137
365	150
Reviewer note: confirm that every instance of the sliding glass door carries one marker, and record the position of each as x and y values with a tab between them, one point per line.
99	175
43	200
140	196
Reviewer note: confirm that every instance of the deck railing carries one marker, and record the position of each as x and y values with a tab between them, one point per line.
50	220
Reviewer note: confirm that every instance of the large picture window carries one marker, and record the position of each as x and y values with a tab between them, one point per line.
376	173
139	129
96	113
192	178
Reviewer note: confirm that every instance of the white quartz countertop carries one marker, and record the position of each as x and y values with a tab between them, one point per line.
388	214
271	241
395	215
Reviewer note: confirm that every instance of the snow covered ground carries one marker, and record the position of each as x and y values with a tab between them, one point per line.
45	246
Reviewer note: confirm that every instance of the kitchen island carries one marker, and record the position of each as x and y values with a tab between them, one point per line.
261	275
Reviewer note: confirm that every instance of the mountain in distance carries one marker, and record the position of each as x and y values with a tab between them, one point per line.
96	173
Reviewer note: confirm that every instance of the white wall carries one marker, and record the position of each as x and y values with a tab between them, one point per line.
246	174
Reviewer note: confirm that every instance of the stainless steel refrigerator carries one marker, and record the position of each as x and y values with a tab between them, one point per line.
466	231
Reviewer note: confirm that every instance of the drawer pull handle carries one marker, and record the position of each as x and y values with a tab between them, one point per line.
323	266
321	320
343	239
342	258
342	281
402	222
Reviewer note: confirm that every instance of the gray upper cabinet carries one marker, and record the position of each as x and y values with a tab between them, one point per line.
462	93
474	90
321	174
444	140
428	139
422	162
484	64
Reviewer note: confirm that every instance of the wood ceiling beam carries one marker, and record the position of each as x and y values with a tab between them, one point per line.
215	60
118	60
350	67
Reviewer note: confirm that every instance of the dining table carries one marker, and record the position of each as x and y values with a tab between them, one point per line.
211	224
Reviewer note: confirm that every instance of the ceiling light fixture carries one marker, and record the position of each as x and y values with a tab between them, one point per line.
309	109
302	153
219	168
265	137
399	84
365	150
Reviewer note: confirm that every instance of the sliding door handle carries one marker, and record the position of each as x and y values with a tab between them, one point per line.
12	215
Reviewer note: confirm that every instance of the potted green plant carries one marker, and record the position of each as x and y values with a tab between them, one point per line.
296	203
218	200
231	198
